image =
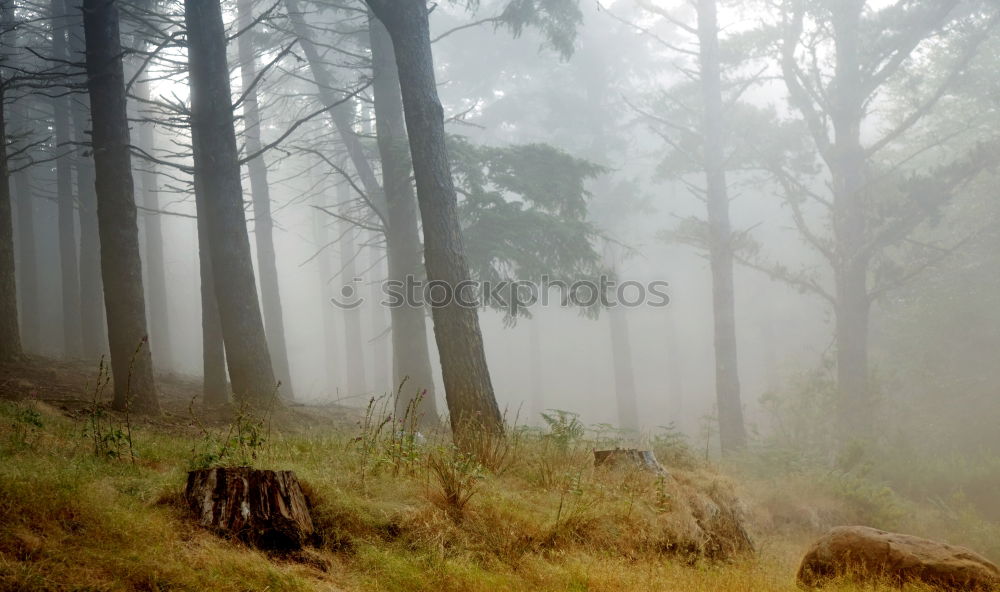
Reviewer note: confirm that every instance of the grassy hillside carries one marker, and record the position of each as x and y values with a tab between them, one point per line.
86	506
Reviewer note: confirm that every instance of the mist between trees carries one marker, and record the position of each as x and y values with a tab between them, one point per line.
303	193
511	297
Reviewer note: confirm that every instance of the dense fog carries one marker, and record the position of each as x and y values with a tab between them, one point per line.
617	86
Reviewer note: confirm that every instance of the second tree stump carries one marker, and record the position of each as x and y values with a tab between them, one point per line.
629	457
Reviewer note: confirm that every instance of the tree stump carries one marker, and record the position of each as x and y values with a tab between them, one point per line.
265	509
629	457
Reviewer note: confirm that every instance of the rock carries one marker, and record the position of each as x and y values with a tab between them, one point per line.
866	554
629	457
266	509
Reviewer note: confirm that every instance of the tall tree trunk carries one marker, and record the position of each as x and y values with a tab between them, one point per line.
156	270
331	351
27	263
380	355
468	389
93	326
274	323
10	335
621	354
411	361
537	403
732	431
121	267
675	373
353	342
215	386
68	263
216	160
854	404
848	176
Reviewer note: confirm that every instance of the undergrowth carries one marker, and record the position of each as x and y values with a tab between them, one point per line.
396	510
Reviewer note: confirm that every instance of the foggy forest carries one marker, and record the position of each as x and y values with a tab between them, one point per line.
469	295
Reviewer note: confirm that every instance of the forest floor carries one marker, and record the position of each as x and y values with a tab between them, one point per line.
93	500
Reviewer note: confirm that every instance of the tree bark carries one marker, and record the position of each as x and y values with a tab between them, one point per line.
10	334
156	271
215	154
27	262
121	267
266	509
274	323
68	263
411	362
93	326
732	431
468	389
215	385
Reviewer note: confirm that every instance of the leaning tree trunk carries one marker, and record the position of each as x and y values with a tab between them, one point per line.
468	389
412	374
93	326
732	431
353	342
216	159
68	263
121	267
10	335
274	323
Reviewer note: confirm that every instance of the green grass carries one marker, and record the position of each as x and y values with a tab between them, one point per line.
70	520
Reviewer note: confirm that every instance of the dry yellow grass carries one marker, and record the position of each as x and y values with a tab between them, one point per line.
72	521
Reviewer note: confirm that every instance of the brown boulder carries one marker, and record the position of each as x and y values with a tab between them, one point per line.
864	553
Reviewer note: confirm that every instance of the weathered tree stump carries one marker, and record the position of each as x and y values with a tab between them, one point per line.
266	509
629	457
